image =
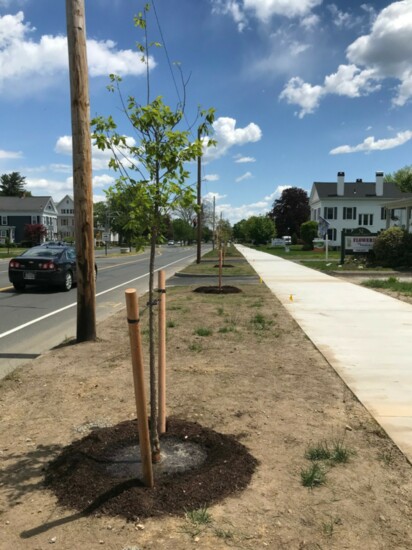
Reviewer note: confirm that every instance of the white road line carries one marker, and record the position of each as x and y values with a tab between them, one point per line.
34	321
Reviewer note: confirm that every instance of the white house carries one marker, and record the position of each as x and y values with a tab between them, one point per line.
359	204
65	220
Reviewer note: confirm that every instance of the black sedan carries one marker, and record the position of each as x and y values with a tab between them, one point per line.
45	265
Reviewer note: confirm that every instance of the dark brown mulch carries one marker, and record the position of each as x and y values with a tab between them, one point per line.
225	289
224	265
79	476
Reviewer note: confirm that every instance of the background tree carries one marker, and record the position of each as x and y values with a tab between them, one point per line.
402	178
101	214
13	185
240	231
152	179
290	211
183	230
260	229
308	232
35	232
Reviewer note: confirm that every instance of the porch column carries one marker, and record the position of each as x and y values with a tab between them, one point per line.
388	217
408	218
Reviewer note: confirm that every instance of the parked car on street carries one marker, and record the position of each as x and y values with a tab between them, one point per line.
47	265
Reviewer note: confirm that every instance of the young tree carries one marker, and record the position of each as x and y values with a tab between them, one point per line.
152	179
290	211
223	232
13	185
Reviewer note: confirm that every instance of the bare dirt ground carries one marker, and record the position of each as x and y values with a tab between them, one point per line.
256	377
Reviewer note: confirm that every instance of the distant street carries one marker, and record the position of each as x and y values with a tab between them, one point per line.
37	319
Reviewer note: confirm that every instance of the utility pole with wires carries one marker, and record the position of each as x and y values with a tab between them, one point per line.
82	170
199	203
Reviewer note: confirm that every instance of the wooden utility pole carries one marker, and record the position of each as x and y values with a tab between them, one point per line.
82	170
199	203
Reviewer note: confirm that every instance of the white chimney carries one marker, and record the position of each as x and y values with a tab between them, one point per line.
341	184
379	184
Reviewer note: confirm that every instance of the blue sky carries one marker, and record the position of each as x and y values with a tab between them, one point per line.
302	89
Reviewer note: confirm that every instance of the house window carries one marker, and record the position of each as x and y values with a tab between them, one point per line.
349	213
330	212
332	234
383	213
34	219
365	219
4	220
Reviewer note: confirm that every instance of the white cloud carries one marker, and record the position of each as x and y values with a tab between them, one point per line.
42	61
310	22
298	92
384	53
10	154
210	196
343	19
103	181
370	144
57	189
244	160
211	177
232	8
237	213
227	135
100	159
265	9
351	81
246	176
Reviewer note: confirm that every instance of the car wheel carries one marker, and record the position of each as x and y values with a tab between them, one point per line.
19	286
68	281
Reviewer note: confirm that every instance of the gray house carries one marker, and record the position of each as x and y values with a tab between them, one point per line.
16	213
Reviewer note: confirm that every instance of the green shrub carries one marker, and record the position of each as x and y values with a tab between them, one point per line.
308	232
393	248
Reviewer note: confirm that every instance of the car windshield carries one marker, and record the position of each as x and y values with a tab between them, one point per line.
42	252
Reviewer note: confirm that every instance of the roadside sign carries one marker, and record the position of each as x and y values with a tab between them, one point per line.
106	237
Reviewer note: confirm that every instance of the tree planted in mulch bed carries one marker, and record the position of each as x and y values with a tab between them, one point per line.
82	476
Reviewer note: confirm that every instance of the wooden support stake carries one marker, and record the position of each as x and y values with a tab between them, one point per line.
139	388
220	268
162	352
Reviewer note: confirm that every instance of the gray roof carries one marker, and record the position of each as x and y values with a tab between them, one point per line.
24	204
359	189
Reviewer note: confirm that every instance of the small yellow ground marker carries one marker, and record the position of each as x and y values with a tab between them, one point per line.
291	297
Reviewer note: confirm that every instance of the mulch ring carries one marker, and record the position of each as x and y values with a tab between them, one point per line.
224	289
224	265
80	477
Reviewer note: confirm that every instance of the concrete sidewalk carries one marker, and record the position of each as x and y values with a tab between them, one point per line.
365	335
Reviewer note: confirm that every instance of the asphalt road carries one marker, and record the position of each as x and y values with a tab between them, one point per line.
37	319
